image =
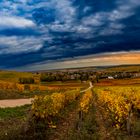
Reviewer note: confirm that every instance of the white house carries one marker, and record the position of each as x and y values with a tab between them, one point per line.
110	77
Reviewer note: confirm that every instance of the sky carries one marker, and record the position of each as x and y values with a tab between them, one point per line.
51	34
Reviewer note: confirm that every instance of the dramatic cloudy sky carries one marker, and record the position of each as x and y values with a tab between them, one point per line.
46	34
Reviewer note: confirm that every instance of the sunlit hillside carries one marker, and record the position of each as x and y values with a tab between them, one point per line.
13	76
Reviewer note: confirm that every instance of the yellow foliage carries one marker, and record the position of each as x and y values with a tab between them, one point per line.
86	101
20	87
118	102
51	105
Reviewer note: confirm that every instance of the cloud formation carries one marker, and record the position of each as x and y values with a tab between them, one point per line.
15	22
16	44
36	31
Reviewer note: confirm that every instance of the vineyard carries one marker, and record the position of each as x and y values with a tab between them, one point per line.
4	85
115	110
100	112
120	106
50	106
13	90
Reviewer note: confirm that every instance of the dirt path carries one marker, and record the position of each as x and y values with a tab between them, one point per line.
14	102
99	118
103	132
62	131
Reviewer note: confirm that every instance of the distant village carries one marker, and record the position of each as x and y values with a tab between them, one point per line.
84	75
79	75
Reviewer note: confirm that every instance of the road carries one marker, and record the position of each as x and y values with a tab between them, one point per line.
90	86
14	102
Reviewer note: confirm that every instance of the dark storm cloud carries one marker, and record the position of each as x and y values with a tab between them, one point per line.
34	31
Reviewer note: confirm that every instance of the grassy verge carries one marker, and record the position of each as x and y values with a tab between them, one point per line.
16	112
13	122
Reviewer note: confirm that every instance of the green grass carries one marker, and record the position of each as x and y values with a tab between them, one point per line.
16	112
13	122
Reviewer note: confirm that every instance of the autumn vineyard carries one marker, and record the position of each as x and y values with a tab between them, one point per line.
88	108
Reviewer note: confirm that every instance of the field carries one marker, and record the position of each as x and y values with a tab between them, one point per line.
72	110
119	82
128	68
13	76
10	88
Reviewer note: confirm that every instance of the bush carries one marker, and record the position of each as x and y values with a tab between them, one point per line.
28	80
